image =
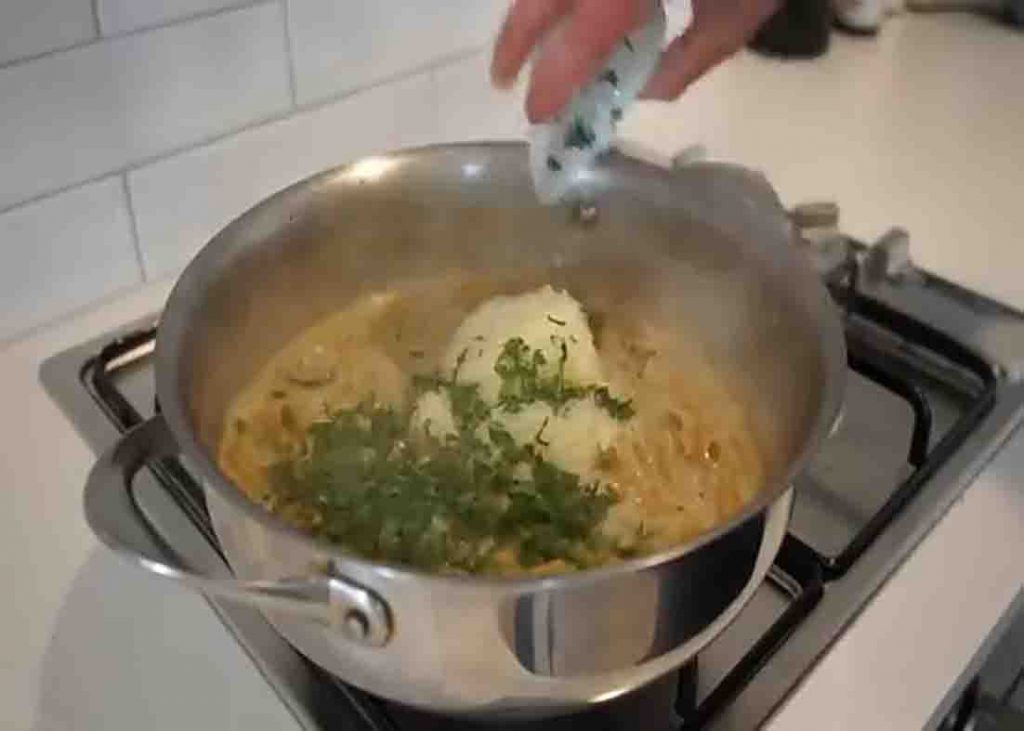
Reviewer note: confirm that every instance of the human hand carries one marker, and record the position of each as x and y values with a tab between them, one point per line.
577	47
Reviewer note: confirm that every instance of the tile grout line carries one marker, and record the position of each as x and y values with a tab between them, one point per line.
23	60
96	303
97	27
150	159
435	98
290	57
133	225
429	70
99	38
426	69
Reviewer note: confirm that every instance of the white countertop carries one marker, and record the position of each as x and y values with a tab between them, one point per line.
914	130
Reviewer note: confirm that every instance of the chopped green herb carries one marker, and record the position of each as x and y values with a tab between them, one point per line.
370	482
468	409
424	382
628	43
538	437
611	77
500	438
553	164
525	380
369	486
556	321
616	114
617	408
459	362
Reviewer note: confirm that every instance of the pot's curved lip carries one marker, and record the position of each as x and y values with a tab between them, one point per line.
172	331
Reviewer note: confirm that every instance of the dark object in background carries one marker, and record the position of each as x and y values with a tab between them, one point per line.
799	29
1009	11
1015	12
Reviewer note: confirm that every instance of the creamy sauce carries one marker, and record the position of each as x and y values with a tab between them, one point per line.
684	462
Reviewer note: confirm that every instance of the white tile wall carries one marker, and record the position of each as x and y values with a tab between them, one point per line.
80	114
182	201
120	16
339	45
63	252
471	109
30	27
142	141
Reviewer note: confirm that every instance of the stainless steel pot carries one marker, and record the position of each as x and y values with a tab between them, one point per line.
708	244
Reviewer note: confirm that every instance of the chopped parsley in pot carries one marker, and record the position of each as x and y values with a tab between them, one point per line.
454	433
370	480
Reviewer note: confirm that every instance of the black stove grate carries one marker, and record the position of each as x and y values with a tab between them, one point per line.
899	370
920	438
800	565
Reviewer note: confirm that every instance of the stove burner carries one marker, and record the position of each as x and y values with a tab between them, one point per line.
895	371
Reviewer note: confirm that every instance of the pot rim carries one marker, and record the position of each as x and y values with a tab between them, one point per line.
174	324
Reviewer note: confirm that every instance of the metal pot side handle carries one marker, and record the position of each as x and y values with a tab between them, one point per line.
110	509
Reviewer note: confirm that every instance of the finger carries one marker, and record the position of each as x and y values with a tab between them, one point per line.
527	21
717	33
686	59
574	53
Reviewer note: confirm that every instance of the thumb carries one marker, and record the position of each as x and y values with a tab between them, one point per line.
719	29
685	60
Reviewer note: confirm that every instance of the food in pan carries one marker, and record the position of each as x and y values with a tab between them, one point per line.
459	431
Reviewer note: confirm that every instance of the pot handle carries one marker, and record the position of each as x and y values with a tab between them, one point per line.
114	517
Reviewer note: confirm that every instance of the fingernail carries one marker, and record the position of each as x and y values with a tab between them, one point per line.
535	115
501	80
504	83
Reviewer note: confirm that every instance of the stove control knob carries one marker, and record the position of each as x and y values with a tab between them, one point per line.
816	230
889	257
815	215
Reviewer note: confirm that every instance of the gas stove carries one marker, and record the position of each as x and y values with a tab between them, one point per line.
933	391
